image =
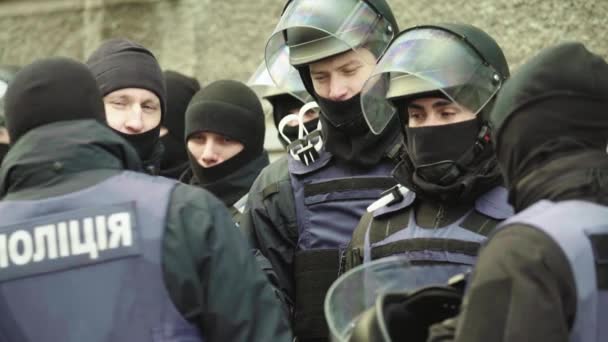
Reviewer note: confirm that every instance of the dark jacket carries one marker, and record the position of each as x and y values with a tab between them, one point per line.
271	225
233	187
208	270
523	287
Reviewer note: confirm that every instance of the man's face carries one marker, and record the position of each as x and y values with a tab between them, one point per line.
132	110
436	111
210	149
308	116
340	77
4	138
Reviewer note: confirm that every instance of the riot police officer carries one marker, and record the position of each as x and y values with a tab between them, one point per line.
286	100
542	276
303	208
92	249
440	82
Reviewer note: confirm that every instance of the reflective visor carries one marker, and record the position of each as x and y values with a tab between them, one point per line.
3	87
422	61
311	30
264	86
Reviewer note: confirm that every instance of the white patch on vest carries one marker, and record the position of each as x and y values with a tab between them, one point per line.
66	238
386	199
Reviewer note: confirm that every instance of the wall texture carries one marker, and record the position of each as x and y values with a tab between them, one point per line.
225	38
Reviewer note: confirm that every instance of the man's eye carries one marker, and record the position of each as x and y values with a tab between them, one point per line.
118	103
350	72
320	78
448	113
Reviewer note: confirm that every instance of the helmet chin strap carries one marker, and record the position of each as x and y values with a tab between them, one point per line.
307	146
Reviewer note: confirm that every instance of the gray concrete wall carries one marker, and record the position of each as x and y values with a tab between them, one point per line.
225	38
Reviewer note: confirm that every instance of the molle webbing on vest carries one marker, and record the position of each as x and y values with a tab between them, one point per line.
347	184
315	271
479	223
426	244
380	228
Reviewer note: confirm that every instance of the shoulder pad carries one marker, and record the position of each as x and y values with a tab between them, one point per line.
494	204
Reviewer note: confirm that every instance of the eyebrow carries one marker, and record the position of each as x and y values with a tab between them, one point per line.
351	63
440	103
153	101
118	97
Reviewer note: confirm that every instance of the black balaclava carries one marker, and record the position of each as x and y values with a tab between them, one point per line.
231	109
452	163
345	132
281	106
180	90
48	91
551	125
120	63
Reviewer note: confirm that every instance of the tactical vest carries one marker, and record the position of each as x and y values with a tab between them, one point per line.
581	230
330	198
86	266
456	244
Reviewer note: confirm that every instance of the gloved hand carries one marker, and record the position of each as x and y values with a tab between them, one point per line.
407	316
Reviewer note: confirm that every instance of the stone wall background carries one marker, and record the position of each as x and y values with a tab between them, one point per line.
225	38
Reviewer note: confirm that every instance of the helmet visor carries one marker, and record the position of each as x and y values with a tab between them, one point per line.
423	61
3	87
311	30
264	86
357	290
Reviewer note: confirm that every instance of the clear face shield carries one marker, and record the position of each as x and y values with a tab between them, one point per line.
357	290
3	88
264	86
311	30
423	61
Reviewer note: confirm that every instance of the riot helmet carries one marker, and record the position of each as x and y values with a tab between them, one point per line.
7	74
314	32
284	101
461	64
431	60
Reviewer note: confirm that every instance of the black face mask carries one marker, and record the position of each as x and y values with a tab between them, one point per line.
292	131
175	152
3	151
144	143
435	150
345	116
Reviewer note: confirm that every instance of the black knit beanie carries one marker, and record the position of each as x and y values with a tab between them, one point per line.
120	63
51	90
232	109
180	90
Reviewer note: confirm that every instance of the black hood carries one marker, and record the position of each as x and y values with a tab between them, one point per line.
71	146
552	108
